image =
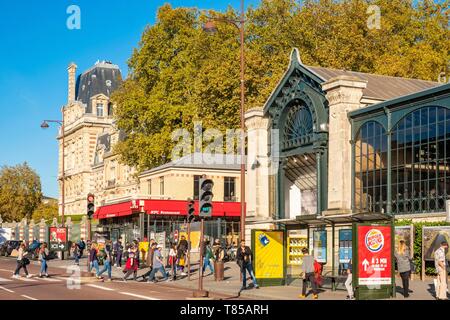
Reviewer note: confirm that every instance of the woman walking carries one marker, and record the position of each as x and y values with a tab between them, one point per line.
404	266
93	258
132	264
22	262
173	261
43	256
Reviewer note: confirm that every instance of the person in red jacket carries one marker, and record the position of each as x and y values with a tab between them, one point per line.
132	264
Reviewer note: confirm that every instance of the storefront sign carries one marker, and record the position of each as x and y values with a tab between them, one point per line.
58	238
374	255
431	240
268	253
406	234
320	245
345	245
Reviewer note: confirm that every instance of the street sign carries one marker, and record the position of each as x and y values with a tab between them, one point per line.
374	255
58	238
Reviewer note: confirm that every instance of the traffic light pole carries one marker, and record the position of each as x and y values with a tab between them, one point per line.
189	250
200	293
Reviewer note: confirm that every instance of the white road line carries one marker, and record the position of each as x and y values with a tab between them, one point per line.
5	280
28	297
138	296
99	287
26	279
6	289
50	279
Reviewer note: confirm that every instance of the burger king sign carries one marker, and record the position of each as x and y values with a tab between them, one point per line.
374	255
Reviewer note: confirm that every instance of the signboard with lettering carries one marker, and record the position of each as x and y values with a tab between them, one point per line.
268	256
374	255
58	238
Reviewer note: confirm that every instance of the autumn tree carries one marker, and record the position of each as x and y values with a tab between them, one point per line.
46	211
20	192
178	74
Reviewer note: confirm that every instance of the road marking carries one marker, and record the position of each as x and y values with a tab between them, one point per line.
99	287
7	289
138	296
50	279
28	297
26	279
5	280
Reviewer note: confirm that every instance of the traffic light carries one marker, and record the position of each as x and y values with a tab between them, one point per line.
190	210
205	197
90	205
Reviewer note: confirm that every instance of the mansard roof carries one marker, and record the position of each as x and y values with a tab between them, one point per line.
379	87
103	78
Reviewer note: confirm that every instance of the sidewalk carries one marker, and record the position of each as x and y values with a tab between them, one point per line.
231	284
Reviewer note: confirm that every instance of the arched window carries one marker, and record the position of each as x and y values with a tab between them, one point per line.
371	168
298	126
420	161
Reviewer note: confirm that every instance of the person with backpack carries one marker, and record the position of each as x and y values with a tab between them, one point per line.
308	274
207	256
22	262
93	258
107	261
81	246
76	253
244	257
42	258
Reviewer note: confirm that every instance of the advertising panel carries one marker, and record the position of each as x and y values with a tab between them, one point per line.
100	238
405	233
58	238
374	255
432	238
320	245
345	245
195	235
5	234
268	253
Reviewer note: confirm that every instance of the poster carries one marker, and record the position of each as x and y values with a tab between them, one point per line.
405	233
374	255
432	238
58	238
100	238
268	254
345	245
320	246
5	234
195	235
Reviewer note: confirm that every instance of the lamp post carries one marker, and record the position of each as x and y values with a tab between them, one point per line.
210	27
45	125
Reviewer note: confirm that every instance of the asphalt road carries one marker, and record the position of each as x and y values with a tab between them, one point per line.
64	286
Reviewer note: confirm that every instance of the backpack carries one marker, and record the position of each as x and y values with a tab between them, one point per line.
82	245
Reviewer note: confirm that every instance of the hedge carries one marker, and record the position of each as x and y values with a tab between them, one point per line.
429	267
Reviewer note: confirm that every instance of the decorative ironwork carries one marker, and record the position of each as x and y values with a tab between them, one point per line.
298	127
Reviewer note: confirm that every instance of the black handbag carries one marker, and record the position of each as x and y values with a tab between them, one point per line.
25	261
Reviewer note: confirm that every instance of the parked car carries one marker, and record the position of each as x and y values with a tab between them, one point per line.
7	247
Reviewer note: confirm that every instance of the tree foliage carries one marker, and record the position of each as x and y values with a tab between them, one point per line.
46	211
20	192
179	74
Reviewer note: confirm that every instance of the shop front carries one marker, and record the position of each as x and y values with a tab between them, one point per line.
166	219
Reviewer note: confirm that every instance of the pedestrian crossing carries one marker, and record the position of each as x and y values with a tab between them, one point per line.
33	279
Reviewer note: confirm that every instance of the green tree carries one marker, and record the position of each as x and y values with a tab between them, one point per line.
46	211
178	74
20	192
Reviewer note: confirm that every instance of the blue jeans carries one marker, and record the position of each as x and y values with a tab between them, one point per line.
248	267
207	263
76	257
94	264
154	270
106	267
43	267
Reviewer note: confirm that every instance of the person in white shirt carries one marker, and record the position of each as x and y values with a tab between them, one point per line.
441	270
22	262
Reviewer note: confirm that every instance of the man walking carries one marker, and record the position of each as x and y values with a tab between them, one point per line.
158	265
244	260
182	249
441	270
118	252
308	274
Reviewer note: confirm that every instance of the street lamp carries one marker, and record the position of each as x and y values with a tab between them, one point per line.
45	125
210	28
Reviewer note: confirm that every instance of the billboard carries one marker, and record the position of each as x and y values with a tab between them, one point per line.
5	234
431	240
268	254
345	245
405	233
374	255
58	238
320	245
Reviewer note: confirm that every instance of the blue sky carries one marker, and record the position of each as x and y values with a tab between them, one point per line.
35	49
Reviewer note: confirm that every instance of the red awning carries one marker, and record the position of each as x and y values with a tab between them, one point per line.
164	207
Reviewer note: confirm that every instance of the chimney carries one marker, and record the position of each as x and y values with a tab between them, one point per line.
72	70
